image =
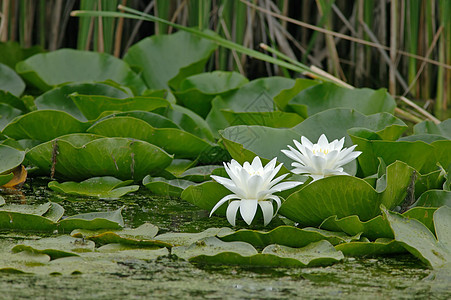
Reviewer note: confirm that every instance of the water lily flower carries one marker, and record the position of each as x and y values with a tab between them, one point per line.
252	185
321	159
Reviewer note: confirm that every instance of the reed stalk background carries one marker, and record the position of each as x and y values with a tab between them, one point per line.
403	45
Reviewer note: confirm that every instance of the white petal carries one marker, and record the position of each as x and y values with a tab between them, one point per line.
257	164
248	208
277	199
230	185
318	163
340	144
221	202
305	142
267	210
231	211
323	142
277	180
270	165
254	185
286	185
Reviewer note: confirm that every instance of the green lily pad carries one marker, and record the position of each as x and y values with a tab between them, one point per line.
48	70
93	221
434	198
59	98
284	97
10	81
102	187
2	201
200	173
179	166
420	241
78	158
153	119
139	237
175	141
379	247
286	235
92	106
10	158
345	196
214	251
190	122
197	91
206	195
52	124
8	113
328	95
12	100
276	119
168	63
56	247
255	96
12	53
186	239
429	127
163	187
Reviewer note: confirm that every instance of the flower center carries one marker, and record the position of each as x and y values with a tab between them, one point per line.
319	150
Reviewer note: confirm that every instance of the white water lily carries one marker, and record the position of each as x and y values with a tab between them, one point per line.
252	185
321	159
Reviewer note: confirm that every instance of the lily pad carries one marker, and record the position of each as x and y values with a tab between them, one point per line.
286	235
197	91
153	119
92	106
141	237
418	240
190	122
163	187
379	247
206	195
52	124
10	81
186	239
200	173
8	113
434	198
328	95
10	158
276	119
47	70
56	247
345	196
59	98
78	158
286	95
175	141
102	187
93	221
168	63
429	127
255	96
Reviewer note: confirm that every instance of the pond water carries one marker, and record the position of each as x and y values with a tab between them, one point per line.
395	277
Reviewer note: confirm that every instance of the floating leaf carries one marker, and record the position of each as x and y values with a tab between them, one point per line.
153	119
78	158
169	63
434	198
8	113
102	187
59	98
18	178
418	240
276	119
345	196
200	173
13	101
206	195
197	91
5	178
56	247
175	141
179	166
163	187
92	106
10	81
286	235
429	127
190	122
93	221
52	124
286	95
379	247
328	95
48	70
138	237
186	239
255	96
